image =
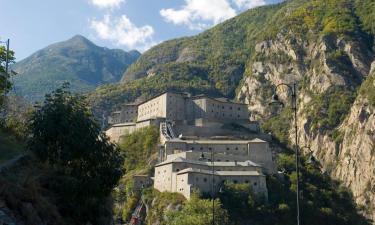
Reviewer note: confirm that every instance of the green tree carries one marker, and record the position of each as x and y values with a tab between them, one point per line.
5	84
67	140
199	212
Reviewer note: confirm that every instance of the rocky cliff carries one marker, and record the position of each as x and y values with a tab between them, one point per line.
335	112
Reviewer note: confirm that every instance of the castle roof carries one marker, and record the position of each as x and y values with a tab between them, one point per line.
220	173
246	163
256	140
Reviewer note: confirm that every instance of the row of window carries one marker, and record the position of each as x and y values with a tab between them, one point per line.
223	107
223	181
209	148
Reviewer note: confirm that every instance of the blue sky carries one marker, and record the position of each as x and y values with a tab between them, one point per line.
125	24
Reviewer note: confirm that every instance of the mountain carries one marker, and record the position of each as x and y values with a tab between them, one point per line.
327	46
77	61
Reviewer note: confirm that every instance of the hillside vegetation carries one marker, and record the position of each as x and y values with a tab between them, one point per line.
77	61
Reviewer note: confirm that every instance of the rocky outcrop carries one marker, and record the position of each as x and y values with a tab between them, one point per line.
317	66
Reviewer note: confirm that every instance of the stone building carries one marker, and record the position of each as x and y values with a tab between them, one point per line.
197	164
186	113
255	150
127	114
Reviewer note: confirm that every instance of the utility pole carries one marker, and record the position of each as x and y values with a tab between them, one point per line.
7	58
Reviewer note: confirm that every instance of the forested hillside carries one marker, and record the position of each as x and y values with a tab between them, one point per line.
77	61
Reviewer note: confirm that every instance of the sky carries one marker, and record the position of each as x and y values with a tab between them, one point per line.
125	24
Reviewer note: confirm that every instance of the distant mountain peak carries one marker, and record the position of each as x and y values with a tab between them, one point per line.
77	60
81	40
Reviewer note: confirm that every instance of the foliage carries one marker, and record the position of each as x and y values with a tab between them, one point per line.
5	84
279	125
327	110
198	211
323	17
240	201
17	113
124	199
160	202
86	165
321	199
367	89
139	147
365	10
10	146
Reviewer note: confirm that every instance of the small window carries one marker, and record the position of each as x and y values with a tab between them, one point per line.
222	107
239	109
201	148
227	149
236	148
177	170
192	148
205	179
210	148
255	184
246	181
235	181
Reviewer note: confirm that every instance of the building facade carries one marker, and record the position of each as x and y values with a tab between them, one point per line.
182	109
203	165
185	176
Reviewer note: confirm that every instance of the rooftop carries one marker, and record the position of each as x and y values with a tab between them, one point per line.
228	164
256	140
123	124
221	173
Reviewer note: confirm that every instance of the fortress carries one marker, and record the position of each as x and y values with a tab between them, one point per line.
205	142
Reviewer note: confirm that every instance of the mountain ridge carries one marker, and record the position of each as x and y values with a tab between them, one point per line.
76	60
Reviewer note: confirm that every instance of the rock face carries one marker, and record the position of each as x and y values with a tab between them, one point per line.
351	158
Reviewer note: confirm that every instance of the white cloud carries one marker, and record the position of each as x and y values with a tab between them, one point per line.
122	31
199	14
247	4
107	3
